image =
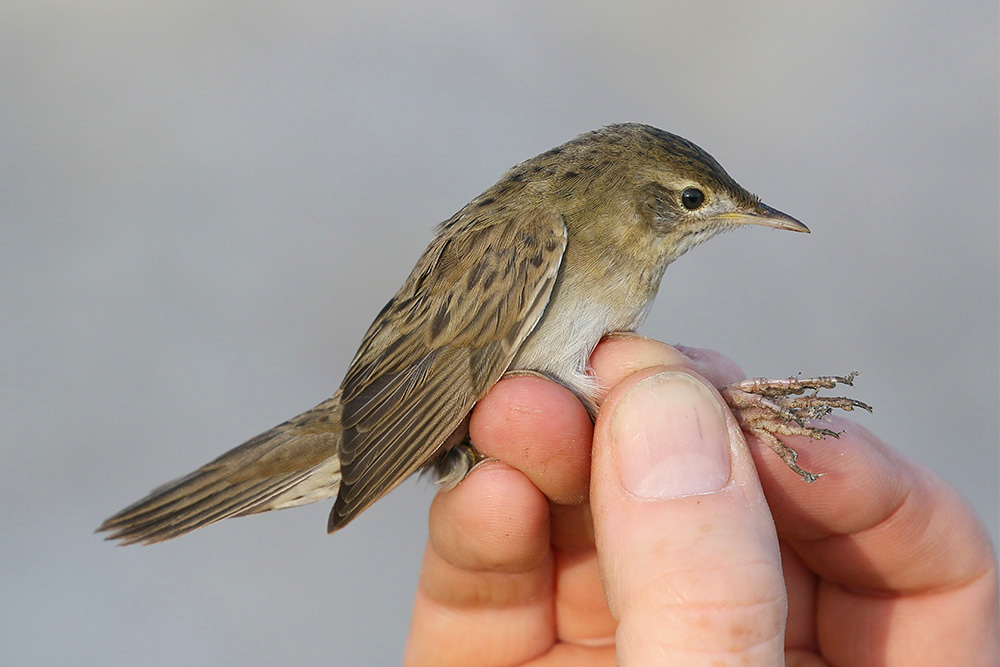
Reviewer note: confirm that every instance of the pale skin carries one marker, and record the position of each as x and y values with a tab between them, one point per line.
545	556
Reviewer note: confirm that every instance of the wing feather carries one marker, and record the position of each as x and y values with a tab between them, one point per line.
439	345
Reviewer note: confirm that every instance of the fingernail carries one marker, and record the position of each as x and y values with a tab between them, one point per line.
670	438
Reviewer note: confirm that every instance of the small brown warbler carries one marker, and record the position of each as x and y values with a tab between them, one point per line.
528	276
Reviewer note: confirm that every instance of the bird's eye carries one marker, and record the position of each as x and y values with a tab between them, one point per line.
692	198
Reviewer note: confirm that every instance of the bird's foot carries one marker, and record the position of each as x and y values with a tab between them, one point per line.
771	408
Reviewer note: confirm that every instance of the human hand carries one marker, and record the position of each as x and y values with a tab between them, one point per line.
709	551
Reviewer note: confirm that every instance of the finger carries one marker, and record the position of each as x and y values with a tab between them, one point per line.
801	586
485	593
623	354
686	545
540	428
719	369
490	584
901	556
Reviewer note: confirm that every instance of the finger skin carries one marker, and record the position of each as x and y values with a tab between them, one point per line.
899	559
510	575
694	579
878	550
903	564
487	565
541	429
623	354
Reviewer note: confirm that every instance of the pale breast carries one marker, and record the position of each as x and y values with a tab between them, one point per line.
561	344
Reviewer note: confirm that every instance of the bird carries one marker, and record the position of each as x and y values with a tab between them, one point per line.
529	276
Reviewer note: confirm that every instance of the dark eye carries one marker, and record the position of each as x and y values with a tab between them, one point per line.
692	198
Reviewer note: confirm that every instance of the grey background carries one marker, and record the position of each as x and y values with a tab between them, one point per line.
205	204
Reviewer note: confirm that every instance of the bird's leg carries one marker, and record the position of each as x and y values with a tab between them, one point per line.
772	408
453	465
456	458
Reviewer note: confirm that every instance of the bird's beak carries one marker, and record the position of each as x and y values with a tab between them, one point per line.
765	216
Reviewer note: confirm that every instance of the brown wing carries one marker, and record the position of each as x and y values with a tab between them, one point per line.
439	345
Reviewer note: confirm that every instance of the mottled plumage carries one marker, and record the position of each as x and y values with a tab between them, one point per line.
565	248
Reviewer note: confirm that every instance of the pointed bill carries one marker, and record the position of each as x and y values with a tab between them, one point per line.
765	216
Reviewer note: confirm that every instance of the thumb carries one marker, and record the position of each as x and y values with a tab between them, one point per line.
686	545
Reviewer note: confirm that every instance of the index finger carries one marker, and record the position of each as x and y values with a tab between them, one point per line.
875	520
903	562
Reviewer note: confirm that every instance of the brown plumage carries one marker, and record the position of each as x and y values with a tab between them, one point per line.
565	248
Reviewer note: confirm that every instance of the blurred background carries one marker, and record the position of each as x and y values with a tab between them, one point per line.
205	204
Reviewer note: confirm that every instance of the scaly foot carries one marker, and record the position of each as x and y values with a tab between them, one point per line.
771	408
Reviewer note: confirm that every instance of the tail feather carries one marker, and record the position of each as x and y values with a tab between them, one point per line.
196	502
292	464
